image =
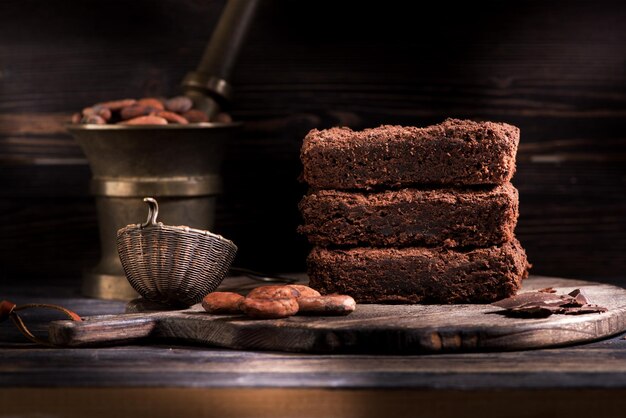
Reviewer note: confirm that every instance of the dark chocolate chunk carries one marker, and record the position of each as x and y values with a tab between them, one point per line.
543	303
532	311
525	299
585	309
579	297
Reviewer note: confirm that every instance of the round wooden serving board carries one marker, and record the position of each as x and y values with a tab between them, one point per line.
384	329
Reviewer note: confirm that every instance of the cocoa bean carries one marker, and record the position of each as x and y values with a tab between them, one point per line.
195	116
94	119
146	120
274	292
152	102
172	117
327	305
136	111
222	303
117	104
179	104
223	118
103	112
269	308
305	291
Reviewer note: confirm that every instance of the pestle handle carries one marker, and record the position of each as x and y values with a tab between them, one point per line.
208	86
220	54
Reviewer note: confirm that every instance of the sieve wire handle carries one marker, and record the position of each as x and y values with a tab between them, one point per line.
153	212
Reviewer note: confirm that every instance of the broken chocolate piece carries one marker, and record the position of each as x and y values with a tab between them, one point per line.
524	299
544	302
532	311
579	297
585	309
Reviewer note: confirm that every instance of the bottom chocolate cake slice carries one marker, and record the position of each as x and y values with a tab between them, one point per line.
419	274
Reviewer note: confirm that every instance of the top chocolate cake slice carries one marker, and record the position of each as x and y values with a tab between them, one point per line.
455	152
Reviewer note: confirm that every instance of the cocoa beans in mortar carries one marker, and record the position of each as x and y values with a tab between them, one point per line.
146	111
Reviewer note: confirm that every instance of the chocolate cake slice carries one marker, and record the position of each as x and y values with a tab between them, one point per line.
447	217
418	274
455	152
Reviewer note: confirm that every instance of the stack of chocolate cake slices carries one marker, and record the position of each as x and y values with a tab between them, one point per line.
413	215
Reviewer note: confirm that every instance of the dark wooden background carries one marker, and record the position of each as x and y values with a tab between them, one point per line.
555	69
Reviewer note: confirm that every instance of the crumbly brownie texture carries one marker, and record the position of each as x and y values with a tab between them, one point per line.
455	152
419	275
448	217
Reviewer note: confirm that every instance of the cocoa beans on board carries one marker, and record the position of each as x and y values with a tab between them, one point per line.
279	301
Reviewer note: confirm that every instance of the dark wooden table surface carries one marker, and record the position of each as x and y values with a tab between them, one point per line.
170	379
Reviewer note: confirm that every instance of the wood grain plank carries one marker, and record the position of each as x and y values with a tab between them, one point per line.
211	368
276	403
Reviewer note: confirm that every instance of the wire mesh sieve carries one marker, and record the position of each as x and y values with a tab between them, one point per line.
173	265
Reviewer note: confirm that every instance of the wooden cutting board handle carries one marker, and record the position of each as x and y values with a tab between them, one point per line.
111	329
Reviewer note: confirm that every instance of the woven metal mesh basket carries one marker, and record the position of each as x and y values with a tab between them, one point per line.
173	265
